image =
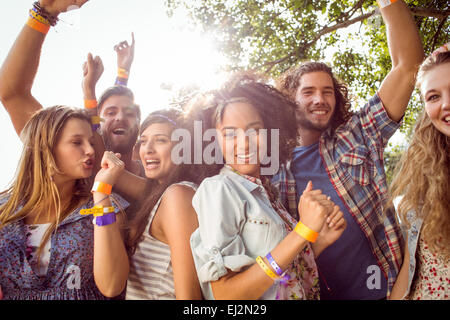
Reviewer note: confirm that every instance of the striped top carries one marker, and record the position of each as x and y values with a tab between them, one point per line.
151	274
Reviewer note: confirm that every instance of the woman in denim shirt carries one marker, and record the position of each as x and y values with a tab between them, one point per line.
423	182
240	217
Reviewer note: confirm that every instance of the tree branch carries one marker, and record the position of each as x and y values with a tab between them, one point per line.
430	12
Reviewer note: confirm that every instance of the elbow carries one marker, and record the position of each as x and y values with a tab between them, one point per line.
110	289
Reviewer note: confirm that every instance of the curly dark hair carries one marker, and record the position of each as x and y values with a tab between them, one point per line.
276	109
289	82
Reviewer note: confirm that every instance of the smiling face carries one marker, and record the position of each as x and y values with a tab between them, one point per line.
435	90
316	101
155	151
74	152
238	137
121	126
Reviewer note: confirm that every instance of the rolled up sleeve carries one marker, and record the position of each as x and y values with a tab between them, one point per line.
217	244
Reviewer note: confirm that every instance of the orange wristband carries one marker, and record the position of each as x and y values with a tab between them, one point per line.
38	26
101	187
123	73
306	233
90	104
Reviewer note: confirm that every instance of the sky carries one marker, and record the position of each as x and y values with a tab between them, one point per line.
168	50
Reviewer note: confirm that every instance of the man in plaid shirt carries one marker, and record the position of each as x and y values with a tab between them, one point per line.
342	154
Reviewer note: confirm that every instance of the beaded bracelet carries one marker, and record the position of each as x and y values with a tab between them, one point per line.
306	232
43	13
36	16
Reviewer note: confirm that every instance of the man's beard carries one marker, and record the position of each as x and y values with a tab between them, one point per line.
305	123
125	147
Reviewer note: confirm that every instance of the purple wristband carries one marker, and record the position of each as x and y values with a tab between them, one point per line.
276	267
105	220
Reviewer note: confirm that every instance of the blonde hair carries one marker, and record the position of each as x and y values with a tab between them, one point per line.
33	189
422	175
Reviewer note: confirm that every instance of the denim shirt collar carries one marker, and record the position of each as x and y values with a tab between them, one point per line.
246	182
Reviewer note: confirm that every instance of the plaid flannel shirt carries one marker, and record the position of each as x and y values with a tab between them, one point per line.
353	159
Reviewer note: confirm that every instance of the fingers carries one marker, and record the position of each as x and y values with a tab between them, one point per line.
336	218
110	159
122	45
132	39
309	187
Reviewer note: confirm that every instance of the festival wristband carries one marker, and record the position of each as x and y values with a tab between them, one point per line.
277	268
306	233
95	121
385	3
266	269
101	187
90	104
36	16
38	26
123	73
97	211
121	82
105	220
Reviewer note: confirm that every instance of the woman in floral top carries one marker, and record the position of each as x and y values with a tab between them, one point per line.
46	246
240	217
422	182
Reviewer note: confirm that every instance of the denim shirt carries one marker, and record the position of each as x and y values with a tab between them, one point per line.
236	225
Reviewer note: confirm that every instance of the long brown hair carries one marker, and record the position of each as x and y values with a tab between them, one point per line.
33	189
422	176
154	189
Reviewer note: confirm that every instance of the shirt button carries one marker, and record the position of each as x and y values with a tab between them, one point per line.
215	251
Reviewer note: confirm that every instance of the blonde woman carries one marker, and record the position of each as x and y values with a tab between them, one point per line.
46	245
422	181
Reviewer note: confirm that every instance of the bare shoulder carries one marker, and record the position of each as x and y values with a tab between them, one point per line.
177	201
179	193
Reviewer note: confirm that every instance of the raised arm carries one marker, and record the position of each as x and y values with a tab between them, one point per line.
20	67
406	52
125	57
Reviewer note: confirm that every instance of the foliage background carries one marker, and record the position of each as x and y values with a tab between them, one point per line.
273	35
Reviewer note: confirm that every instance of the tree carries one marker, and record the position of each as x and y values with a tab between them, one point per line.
273	35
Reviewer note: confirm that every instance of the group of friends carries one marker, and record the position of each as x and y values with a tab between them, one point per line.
100	209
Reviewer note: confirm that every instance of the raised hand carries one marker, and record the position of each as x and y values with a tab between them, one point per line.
92	71
55	7
111	168
125	53
314	207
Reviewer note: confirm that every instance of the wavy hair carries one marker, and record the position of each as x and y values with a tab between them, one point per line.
422	176
33	189
276	110
154	190
289	82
